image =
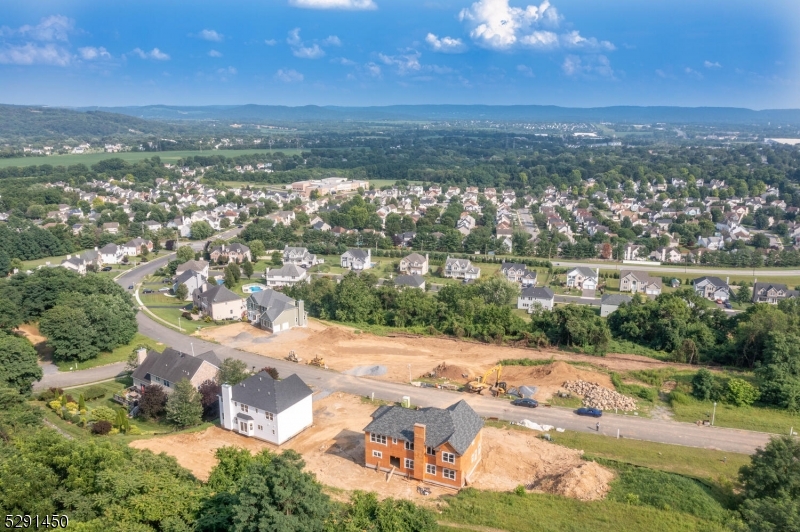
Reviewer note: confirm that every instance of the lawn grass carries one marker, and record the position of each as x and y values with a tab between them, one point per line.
171	315
159	299
552	513
756	418
119	354
131	156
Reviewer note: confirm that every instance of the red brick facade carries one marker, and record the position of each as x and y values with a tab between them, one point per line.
445	466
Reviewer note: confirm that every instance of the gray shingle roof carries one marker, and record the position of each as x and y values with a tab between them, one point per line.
413	281
586	272
615	299
715	281
357	254
272	303
264	392
188	274
173	365
457	425
287	270
219	294
196	265
538	293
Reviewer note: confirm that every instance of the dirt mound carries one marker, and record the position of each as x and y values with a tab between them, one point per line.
551	377
587	482
512	458
450	371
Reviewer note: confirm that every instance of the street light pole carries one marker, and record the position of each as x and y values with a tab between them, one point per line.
714	413
179	324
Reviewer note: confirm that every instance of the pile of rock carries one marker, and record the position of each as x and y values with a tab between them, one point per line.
596	396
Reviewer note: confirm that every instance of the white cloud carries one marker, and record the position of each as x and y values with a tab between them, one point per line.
214	53
91	53
288	76
210	35
270	42
155	53
373	69
332	40
309	52
497	25
449	45
52	28
351	5
525	71
693	73
588	66
31	54
314	51
405	63
343	61
709	64
661	74
230	71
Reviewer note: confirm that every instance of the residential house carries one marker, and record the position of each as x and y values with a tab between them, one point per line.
639	282
74	263
321	226
298	256
433	445
111	227
465	224
712	288
518	273
193	281
199	266
357	259
533	298
219	303
611	302
168	368
287	275
711	243
772	293
667	254
275	312
414	264
110	254
410	281
231	252
267	409
152	225
461	269
583	278
634	252
135	246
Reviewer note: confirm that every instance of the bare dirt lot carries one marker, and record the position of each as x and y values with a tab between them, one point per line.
31	332
347	351
334	451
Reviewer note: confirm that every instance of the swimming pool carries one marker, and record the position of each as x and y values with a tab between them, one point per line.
252	288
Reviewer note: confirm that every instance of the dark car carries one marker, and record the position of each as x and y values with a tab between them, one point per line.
239	226
728	305
130	287
106	269
530	403
594	412
148	291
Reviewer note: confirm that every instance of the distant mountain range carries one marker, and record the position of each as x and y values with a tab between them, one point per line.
533	113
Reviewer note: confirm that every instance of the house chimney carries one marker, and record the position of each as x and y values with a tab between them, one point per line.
419	451
141	355
301	313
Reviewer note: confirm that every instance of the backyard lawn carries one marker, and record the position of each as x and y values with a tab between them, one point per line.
119	354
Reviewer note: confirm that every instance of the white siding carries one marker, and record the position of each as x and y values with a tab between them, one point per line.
294	419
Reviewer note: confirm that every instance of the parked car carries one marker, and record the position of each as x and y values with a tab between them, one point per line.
529	403
166	281
594	412
130	287
165	289
106	269
148	291
239	226
728	305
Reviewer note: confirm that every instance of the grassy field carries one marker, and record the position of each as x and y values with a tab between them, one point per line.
551	513
132	156
119	354
748	418
378	183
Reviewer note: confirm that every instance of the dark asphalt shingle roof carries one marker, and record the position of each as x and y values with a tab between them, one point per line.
615	299
536	292
219	294
264	392
413	281
272	303
173	365
357	254
715	281
457	425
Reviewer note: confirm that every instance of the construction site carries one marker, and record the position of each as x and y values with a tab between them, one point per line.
333	449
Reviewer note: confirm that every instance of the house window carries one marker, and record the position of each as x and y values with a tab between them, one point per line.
166	383
448	473
409	446
450	458
260	427
245	408
394	441
430	450
409	463
430	469
377	438
377	454
269	416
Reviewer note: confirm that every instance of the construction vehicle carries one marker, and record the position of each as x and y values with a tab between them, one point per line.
293	357
482	383
318	361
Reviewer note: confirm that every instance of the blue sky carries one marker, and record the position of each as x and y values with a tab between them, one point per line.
378	52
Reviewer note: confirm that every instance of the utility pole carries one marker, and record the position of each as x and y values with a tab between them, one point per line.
714	413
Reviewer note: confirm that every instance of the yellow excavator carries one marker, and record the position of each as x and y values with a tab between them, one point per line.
482	383
318	361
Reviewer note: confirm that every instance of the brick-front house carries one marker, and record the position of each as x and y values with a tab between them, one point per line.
171	366
233	252
414	264
434	445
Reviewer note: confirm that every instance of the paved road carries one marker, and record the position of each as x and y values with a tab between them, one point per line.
326	381
719	272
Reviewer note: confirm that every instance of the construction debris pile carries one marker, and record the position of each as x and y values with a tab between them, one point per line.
596	396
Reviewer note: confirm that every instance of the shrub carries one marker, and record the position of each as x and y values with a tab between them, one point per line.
519	490
101	428
51	394
272	372
648	394
75	419
71	406
94	392
678	398
741	392
104	413
134	430
55	404
705	386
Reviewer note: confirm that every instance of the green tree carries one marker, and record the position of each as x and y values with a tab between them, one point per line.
153	402
69	332
256	249
184	408
18	363
201	230
366	513
280	496
230	278
184	253
232	371
247	268
772	486
779	375
741	393
182	292
744	294
235	270
225	223
497	291
277	258
705	386
10	314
